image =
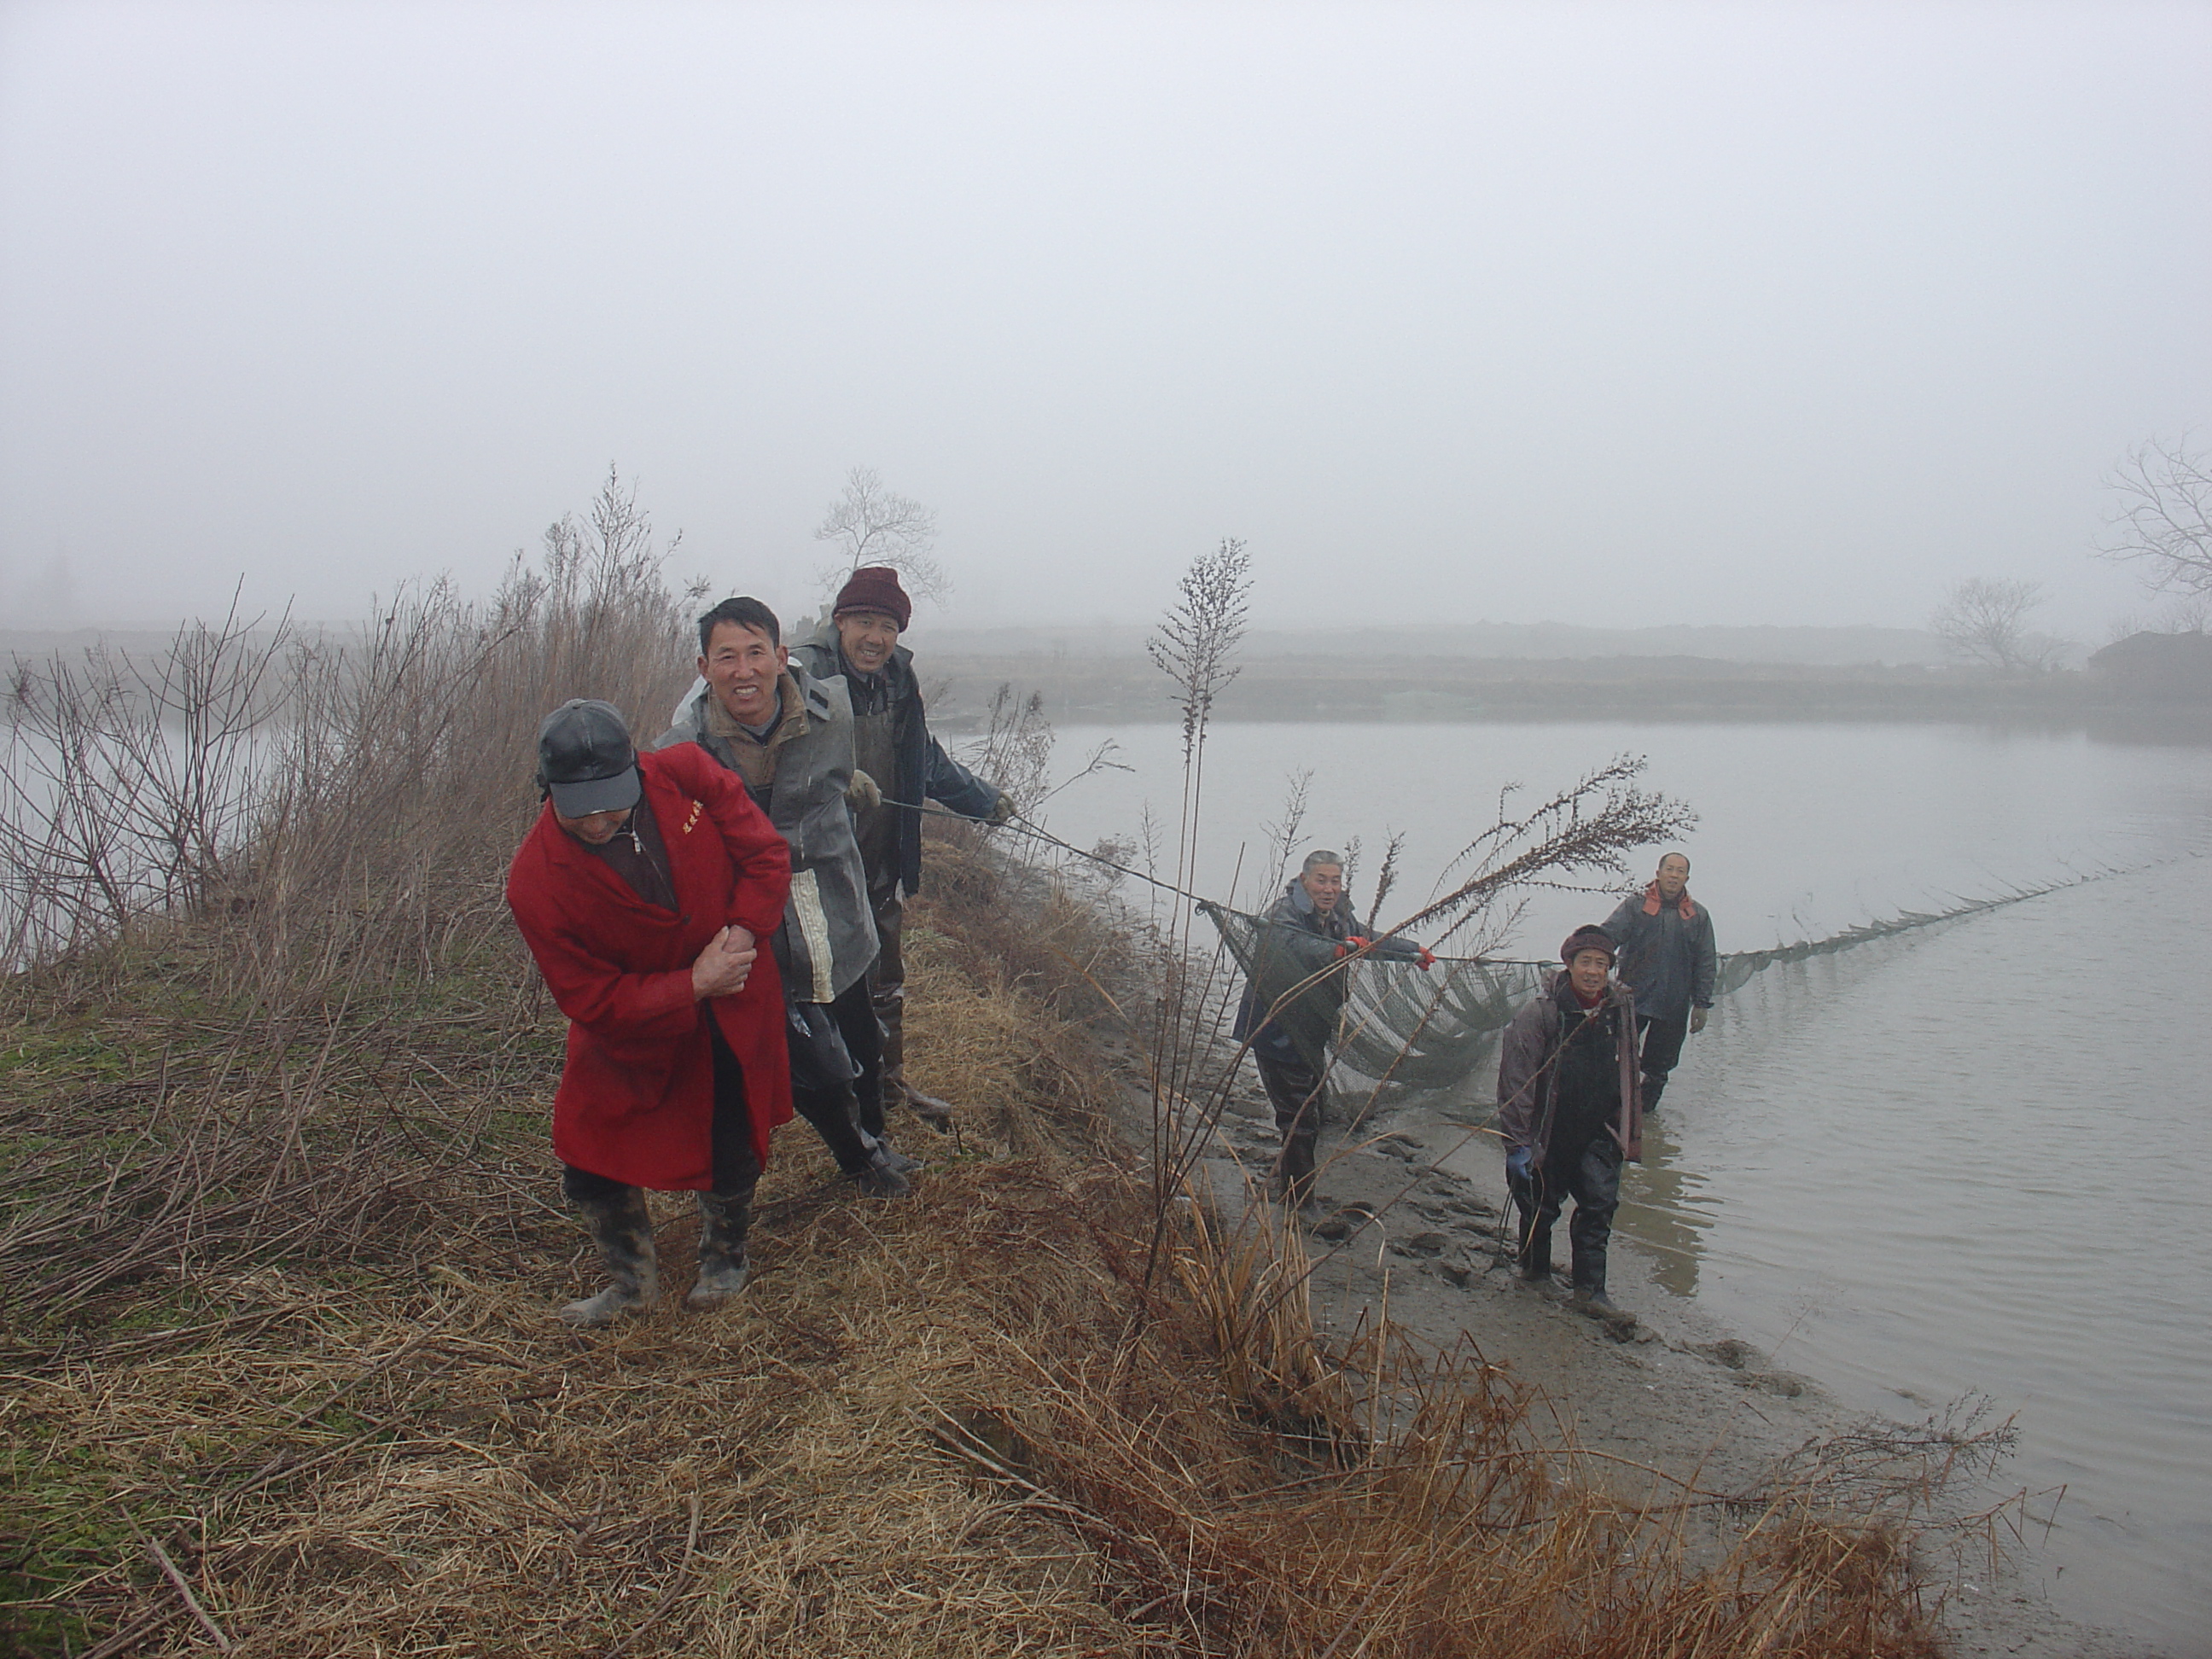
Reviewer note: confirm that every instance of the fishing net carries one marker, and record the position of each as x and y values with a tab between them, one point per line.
1393	1021
1385	1018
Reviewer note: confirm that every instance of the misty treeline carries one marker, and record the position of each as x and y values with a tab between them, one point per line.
324	802
2160	524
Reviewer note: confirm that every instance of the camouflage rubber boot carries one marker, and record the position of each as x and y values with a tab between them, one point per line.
724	1220
623	1232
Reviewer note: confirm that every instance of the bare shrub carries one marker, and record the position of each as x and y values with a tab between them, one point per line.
2164	518
871	525
1984	619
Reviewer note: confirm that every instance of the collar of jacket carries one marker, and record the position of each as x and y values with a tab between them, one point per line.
1337	923
794	703
564	852
1683	907
894	680
1562	993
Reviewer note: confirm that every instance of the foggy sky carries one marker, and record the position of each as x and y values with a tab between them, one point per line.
1619	314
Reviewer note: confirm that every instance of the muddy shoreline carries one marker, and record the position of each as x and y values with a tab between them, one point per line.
1672	1391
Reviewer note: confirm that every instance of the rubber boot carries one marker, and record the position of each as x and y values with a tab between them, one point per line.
879	1177
868	1113
1534	1260
938	1114
1297	1170
1653	1087
1589	1277
860	1157
623	1232
724	1220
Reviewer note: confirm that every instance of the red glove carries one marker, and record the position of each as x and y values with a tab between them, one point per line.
1427	959
1359	944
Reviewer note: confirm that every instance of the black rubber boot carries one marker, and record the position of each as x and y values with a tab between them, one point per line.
1651	1089
724	1220
623	1232
1589	1277
1296	1170
877	1176
861	1159
1534	1261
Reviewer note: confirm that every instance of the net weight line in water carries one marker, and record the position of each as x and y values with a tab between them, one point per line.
1425	1027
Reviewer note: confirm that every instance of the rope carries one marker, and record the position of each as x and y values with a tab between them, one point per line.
1023	826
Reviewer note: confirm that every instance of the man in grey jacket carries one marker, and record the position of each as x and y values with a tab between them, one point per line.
893	745
789	736
1667	957
1292	999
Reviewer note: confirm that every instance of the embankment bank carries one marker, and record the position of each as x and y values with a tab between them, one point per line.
282	1367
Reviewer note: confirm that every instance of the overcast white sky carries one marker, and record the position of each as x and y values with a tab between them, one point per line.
1651	312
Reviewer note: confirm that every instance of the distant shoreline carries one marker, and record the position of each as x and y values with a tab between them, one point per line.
1101	690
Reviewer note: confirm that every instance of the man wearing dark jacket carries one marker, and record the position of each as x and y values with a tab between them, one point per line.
789	736
1667	957
1310	929
1567	1108
892	745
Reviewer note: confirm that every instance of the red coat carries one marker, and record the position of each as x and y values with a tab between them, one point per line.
636	1097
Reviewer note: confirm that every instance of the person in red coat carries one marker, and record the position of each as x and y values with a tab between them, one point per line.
642	890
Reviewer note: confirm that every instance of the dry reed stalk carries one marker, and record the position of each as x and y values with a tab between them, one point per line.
281	1264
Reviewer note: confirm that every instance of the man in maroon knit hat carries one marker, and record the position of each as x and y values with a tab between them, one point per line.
1567	1108
892	745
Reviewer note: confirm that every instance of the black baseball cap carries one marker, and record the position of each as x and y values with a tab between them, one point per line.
584	761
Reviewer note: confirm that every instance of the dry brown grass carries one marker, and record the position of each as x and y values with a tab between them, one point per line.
956	1425
281	1244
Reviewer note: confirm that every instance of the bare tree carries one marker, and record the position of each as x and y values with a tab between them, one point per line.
1984	620
2165	517
871	525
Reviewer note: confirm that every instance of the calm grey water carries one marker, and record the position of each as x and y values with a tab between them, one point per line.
1974	1158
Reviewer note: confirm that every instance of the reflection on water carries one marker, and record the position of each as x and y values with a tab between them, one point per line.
1666	1208
1968	1159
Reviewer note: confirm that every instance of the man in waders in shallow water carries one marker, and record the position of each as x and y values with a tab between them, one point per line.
1567	1105
1311	931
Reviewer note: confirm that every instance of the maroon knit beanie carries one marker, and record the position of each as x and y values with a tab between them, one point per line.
875	587
1589	938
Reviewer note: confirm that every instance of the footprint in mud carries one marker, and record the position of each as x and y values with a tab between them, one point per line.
1345	1222
1737	1356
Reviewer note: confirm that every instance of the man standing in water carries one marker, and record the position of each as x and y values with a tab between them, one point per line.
640	892
1667	958
892	745
1308	931
1567	1108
